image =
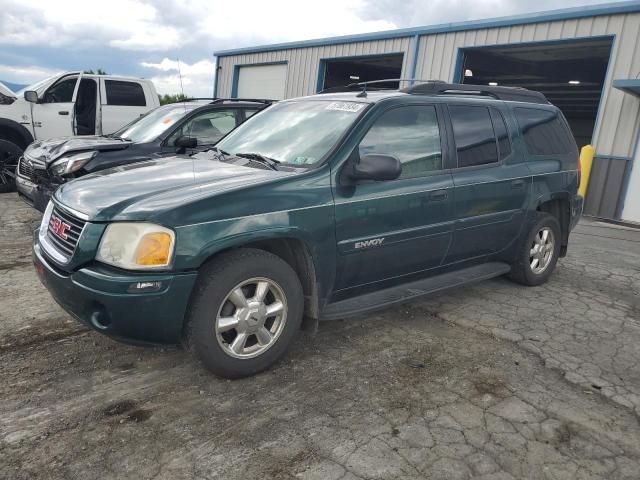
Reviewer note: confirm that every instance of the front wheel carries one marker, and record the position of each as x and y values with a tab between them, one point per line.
9	155
539	254
245	312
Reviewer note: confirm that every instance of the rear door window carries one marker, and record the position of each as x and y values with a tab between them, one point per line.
123	93
411	134
474	136
544	132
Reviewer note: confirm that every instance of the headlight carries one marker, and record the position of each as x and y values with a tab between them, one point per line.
136	246
72	163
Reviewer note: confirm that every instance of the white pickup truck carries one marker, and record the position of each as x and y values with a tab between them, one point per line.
67	104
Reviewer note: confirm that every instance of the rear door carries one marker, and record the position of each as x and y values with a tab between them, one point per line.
491	182
122	101
389	229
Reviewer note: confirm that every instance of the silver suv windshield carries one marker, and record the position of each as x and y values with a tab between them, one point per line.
299	132
148	127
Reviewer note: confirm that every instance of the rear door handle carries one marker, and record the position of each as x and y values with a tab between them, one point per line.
63	112
438	195
517	184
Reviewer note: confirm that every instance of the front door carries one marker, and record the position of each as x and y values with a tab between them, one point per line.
491	184
387	230
53	114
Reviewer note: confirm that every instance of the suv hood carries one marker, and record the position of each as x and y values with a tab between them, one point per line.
139	191
43	153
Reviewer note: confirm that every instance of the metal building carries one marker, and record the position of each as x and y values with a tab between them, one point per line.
586	60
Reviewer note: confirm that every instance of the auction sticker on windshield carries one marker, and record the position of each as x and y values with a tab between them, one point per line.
345	106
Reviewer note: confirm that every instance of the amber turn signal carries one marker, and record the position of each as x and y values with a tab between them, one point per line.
154	249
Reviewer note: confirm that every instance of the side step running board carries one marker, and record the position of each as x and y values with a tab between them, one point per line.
409	291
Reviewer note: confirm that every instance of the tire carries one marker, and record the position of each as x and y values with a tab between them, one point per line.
9	154
525	270
230	340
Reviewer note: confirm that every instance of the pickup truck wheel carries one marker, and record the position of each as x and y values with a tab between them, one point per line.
539	254
9	154
247	308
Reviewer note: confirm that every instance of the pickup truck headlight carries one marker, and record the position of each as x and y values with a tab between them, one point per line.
72	163
136	246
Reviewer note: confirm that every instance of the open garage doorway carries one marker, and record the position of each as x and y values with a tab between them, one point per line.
338	72
570	73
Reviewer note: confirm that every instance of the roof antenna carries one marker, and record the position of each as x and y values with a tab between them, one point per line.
181	88
363	93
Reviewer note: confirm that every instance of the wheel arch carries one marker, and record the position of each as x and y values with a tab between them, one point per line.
12	131
292	246
558	205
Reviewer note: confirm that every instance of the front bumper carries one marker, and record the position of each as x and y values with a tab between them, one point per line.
100	298
37	196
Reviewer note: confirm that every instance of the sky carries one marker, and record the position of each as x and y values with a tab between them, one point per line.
145	38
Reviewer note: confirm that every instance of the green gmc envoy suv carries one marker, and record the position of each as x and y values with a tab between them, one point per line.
318	208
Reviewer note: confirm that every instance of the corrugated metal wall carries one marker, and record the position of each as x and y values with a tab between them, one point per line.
618	117
303	63
619	113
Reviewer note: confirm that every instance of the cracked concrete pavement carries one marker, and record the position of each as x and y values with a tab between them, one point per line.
494	381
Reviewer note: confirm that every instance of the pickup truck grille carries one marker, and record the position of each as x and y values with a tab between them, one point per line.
64	231
25	169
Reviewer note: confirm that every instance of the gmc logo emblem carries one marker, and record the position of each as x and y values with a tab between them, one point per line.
59	227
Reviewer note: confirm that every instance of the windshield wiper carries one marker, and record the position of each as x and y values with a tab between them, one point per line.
269	162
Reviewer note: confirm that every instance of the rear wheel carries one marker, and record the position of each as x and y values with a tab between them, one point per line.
9	155
246	310
538	255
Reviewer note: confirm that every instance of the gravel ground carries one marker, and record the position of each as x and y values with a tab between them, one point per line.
495	381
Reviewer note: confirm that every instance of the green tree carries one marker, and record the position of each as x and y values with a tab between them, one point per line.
172	98
97	72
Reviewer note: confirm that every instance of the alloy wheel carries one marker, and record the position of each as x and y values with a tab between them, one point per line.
251	318
541	251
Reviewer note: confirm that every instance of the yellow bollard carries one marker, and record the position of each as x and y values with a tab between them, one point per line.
586	162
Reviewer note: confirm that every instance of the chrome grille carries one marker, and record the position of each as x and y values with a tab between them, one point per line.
25	169
72	229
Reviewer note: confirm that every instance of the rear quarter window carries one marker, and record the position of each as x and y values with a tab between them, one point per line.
544	132
128	94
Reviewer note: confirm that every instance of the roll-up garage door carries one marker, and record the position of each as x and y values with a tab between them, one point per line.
262	81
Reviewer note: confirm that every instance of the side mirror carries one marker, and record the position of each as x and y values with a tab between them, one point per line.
31	96
376	167
185	142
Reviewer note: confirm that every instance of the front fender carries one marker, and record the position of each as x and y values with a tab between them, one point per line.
245	238
313	226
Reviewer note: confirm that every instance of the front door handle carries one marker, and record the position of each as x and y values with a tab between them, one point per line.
63	112
517	184
438	196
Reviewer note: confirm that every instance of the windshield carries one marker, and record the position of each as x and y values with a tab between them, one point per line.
300	133
148	127
37	85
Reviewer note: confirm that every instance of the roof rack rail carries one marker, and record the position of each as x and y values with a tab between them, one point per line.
364	86
253	100
439	87
221	100
516	94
